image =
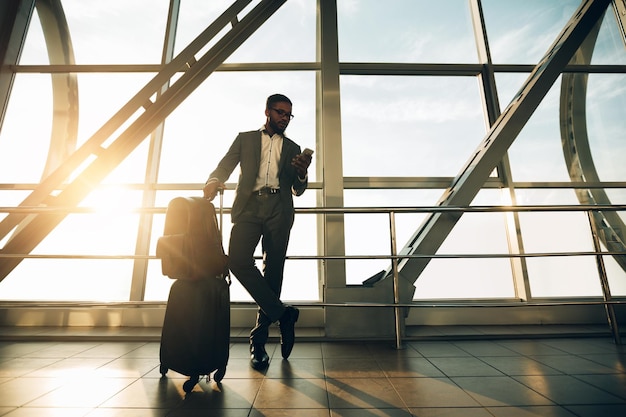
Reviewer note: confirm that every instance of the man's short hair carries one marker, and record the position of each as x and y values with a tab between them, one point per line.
277	98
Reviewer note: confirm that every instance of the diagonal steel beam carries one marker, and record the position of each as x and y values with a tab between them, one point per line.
93	145
106	159
437	226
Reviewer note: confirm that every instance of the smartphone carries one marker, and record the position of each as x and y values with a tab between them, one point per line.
307	151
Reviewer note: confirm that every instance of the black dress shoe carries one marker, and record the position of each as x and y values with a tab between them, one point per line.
287	330
259	359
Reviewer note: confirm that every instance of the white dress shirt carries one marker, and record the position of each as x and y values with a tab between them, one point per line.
271	148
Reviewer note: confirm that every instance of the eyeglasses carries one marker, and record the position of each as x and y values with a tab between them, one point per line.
283	113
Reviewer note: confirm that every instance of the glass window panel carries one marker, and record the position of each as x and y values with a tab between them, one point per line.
301	282
196	15
606	124
107	32
409	126
552	232
201	129
559	232
537	152
405	31
68	280
287	36
366	235
538	197
111	230
92	234
465	279
520	32
508	85
24	143
369	233
157	285
609	47
616	276
294	42
101	96
553	277
474	233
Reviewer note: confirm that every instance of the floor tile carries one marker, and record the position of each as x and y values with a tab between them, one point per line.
370	412
82	392
19	391
567	390
17	367
613	383
292	393
500	391
296	368
61	350
438	349
408	368
109	350
306	350
582	346
47	412
16	350
520	365
345	350
613	360
483	348
364	393
275	412
432	392
598	410
129	412
451	412
571	364
531	347
467	366
70	368
532	411
352	368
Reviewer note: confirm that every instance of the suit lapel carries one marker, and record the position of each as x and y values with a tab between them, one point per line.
256	149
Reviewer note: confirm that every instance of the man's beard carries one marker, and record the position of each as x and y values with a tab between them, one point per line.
276	127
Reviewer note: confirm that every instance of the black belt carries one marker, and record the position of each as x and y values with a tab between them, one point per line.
267	190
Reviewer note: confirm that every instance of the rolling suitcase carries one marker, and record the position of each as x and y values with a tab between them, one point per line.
195	337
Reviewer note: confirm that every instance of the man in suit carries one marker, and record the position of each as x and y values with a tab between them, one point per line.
272	171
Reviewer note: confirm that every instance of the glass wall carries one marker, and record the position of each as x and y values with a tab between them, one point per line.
413	114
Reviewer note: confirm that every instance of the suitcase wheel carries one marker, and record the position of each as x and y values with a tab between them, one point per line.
219	374
163	369
189	384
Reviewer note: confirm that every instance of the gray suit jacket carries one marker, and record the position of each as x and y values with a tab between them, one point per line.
246	151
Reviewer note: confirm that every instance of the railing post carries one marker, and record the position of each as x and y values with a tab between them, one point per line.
396	283
604	282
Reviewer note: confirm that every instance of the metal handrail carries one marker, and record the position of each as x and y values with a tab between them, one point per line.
608	302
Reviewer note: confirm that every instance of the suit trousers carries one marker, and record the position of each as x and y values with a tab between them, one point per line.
263	219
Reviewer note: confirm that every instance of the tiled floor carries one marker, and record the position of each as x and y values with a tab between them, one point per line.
552	376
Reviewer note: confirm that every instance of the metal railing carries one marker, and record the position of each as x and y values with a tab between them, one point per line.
607	301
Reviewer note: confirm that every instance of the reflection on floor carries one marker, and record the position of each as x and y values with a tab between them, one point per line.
470	377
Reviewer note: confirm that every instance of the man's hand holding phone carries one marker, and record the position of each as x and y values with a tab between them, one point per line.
302	161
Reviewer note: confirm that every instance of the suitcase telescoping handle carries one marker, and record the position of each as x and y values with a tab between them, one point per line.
219	228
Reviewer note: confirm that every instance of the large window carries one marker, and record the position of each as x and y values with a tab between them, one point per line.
410	86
